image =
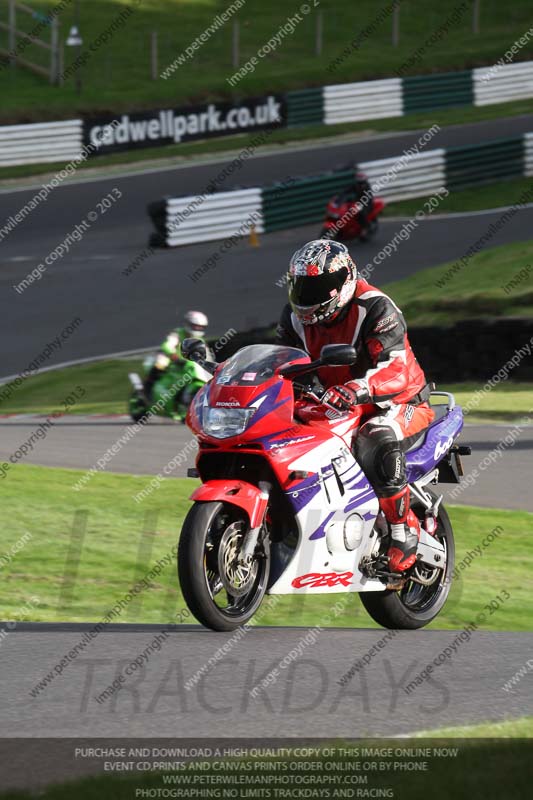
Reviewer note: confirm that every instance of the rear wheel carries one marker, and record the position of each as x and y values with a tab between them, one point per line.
426	590
221	592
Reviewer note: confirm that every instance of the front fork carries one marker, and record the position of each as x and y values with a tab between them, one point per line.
246	553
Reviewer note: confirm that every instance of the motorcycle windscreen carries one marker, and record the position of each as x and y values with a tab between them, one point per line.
257	363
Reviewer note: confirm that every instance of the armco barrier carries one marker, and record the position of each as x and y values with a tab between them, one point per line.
305	107
503	83
401	178
303	202
329	105
528	155
351	102
204	218
43	143
426	92
481	163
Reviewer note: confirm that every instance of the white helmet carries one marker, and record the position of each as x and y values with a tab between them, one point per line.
196	323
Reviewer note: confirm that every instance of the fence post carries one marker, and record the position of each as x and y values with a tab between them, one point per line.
475	16
319	32
61	63
235	45
54	43
12	28
154	54
396	25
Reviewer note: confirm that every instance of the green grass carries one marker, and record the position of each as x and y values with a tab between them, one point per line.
106	387
106	390
508	401
476	290
41	501
118	74
492	195
521	728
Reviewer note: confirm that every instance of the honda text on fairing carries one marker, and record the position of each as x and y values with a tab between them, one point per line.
284	507
343	221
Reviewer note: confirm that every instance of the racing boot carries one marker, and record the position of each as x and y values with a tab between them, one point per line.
404	529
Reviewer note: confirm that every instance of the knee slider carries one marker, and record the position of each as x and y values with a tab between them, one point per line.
380	456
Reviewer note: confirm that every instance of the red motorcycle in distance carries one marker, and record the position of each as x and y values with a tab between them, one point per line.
342	218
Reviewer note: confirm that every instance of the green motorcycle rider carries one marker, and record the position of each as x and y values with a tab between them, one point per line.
171	381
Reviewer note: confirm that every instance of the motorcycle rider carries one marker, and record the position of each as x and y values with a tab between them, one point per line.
361	192
330	304
194	325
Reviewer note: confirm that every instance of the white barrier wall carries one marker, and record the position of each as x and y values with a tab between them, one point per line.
502	83
204	218
42	143
350	102
407	176
528	155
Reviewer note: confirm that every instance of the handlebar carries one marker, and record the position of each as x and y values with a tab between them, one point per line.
319	400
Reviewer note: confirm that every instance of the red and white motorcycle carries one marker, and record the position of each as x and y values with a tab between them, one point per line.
284	508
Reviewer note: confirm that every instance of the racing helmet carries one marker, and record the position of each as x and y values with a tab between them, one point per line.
195	323
322	278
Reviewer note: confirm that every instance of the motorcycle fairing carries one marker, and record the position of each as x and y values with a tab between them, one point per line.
438	440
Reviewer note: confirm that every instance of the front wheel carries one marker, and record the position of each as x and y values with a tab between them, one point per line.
221	592
424	593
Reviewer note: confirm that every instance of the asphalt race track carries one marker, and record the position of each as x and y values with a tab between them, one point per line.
304	700
78	443
125	312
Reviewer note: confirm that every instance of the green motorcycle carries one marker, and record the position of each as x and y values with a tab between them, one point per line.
171	394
